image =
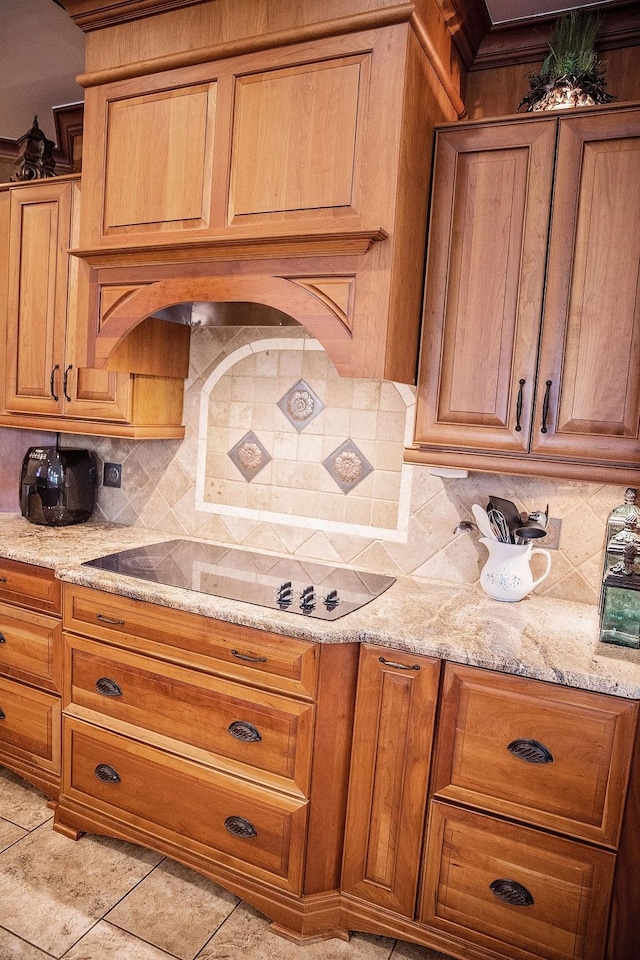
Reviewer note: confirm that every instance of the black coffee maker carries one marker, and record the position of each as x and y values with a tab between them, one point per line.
57	486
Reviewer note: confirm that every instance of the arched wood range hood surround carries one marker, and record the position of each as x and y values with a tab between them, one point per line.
283	159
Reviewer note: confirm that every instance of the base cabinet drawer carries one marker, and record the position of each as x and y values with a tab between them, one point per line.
30	586
236	823
30	647
524	894
241	727
549	755
30	724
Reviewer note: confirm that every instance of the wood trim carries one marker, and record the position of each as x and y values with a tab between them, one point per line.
93	14
91	428
347	243
68	122
528	43
525	466
267	41
440	70
468	23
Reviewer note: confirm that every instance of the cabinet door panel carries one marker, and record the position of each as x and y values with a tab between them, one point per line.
158	160
389	773
294	139
37	295
590	348
484	286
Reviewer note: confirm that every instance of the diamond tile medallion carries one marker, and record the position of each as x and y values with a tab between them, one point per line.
249	456
347	465
300	405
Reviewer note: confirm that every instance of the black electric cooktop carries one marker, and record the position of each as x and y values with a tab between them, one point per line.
281	583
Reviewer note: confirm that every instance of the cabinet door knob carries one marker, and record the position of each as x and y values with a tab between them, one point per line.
107	774
65	382
114	623
511	892
399	666
545	406
532	751
239	827
244	731
52	379
108	687
519	406
246	656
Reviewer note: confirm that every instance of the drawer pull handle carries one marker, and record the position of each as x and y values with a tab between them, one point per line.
239	827
114	623
3	580
246	656
511	892
2	714
107	774
108	687
532	751
399	666
246	732
3	639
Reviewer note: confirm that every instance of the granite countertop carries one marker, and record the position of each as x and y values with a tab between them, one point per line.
544	639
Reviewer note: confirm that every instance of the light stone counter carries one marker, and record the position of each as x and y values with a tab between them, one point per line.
544	639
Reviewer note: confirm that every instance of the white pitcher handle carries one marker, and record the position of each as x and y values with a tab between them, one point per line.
546	573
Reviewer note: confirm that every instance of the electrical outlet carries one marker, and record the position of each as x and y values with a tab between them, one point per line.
551	540
112	475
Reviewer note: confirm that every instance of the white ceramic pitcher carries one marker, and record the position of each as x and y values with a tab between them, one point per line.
507	575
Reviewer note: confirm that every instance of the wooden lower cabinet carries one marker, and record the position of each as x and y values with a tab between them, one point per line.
522	893
30	673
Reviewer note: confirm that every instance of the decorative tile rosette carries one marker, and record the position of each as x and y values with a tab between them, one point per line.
300	405
348	466
249	455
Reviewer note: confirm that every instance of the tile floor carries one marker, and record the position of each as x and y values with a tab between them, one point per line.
103	899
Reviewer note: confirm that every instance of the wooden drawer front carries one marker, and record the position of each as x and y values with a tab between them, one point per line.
29	586
30	647
254	656
184	802
589	737
392	738
569	884
196	709
30	724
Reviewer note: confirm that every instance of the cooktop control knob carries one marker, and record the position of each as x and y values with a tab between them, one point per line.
331	600
284	596
308	599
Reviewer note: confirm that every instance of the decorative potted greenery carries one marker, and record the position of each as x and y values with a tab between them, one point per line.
571	75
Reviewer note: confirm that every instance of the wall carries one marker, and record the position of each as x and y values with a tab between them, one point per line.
13	446
398	519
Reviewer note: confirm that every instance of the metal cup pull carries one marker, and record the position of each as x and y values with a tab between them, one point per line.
108	687
239	827
2	714
531	751
244	731
3	639
106	774
511	892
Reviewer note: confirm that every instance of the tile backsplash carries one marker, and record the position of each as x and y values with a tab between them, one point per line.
282	454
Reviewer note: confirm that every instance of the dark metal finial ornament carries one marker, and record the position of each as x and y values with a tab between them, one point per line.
35	157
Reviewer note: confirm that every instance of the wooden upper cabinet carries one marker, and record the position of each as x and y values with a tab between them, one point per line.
485	281
530	358
590	346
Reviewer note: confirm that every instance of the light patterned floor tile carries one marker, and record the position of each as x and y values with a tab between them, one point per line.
411	951
175	909
52	890
21	803
13	948
105	942
246	936
9	833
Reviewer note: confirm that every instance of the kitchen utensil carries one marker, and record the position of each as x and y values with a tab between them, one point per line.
483	521
499	526
535	526
508	510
